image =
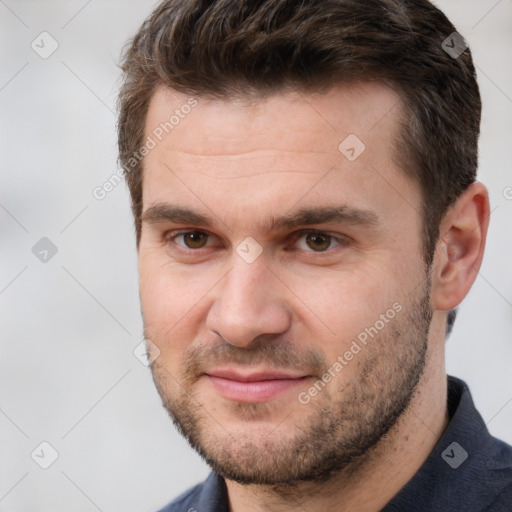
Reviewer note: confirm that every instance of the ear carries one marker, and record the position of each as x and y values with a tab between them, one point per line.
460	248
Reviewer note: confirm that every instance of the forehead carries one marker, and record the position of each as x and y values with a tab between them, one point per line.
271	154
370	110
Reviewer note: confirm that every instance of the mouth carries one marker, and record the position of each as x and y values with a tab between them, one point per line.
255	386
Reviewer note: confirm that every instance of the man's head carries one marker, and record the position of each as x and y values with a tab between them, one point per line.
294	168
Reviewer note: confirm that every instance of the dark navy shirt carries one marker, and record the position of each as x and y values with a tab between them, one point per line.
468	471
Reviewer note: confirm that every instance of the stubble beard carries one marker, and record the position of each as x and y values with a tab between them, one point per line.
333	433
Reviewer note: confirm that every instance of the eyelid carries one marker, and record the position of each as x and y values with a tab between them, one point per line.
336	236
342	240
171	235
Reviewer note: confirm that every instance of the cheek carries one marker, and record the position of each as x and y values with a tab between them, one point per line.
173	301
346	302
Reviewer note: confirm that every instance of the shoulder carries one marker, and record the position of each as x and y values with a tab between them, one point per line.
486	476
499	475
185	502
209	496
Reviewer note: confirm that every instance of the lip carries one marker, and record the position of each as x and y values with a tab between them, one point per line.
254	387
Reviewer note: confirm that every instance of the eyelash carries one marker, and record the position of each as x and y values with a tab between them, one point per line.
341	240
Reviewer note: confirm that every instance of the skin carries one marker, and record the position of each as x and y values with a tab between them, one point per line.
294	307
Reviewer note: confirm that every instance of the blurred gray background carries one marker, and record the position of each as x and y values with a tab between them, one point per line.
71	320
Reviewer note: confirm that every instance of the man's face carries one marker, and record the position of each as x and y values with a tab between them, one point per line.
290	342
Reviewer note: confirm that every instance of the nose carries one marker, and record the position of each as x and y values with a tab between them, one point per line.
249	302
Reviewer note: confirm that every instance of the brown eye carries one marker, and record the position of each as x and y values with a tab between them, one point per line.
194	239
318	241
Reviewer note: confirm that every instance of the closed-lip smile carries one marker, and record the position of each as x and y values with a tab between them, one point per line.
252	386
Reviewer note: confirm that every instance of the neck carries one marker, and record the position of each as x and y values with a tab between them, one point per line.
372	483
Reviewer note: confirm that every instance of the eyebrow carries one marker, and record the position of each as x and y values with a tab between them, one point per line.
343	214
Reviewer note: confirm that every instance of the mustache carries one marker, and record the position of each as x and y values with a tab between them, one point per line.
274	354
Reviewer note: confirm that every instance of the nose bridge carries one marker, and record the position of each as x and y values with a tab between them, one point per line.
248	303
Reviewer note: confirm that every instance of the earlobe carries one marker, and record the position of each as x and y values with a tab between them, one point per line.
460	248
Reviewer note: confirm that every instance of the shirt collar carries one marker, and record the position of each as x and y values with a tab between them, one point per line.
448	475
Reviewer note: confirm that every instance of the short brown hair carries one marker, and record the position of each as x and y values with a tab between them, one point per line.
228	48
